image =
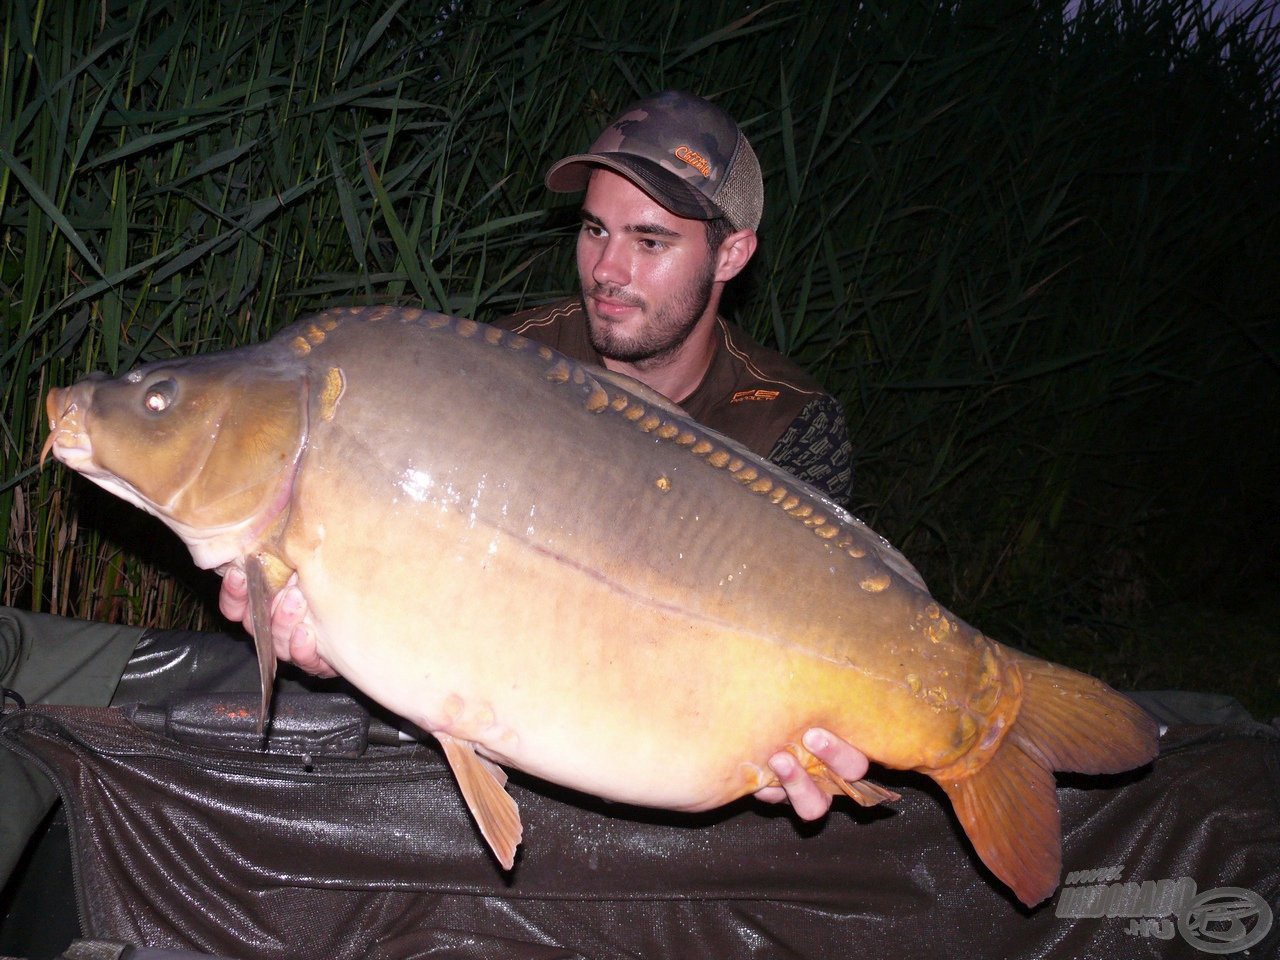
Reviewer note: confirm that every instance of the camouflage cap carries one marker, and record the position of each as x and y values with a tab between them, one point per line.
683	151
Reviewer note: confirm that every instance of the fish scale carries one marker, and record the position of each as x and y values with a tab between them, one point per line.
551	567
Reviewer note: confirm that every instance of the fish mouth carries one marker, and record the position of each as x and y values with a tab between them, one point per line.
68	440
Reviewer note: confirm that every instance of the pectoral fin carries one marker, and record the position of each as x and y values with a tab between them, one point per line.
260	616
482	784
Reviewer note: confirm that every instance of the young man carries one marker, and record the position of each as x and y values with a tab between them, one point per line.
673	197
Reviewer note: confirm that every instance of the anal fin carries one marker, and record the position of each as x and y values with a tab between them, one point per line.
863	792
483	788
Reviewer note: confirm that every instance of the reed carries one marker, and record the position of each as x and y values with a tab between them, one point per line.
1033	255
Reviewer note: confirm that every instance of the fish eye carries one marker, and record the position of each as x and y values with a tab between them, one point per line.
160	396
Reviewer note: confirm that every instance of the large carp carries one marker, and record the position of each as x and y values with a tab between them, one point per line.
550	567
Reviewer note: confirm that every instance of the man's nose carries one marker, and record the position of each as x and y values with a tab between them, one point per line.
611	266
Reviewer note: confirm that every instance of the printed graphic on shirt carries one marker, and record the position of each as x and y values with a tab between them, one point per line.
816	448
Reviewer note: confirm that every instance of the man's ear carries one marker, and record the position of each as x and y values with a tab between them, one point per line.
735	251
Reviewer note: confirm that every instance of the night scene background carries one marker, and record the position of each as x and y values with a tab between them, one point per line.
1036	255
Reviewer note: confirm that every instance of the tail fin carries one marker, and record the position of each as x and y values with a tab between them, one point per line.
1009	808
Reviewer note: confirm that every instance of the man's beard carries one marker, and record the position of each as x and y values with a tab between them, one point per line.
665	329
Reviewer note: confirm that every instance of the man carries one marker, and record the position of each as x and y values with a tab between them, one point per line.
673	197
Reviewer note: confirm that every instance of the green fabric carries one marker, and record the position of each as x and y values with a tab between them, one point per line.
50	659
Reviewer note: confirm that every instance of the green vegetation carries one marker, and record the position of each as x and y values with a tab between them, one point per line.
1035	257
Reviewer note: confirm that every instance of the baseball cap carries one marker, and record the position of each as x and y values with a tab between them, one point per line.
683	151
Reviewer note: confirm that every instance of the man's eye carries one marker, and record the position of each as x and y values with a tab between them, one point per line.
651	244
593	230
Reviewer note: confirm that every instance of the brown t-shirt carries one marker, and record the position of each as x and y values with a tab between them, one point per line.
749	393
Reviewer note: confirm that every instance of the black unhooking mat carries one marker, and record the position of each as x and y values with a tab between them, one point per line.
340	841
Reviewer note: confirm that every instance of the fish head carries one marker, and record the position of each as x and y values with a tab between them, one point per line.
209	444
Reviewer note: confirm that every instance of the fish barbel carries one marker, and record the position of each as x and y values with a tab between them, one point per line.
550	567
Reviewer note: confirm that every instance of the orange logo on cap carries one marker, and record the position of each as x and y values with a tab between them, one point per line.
694	159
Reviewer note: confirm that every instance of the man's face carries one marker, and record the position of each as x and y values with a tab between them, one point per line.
646	273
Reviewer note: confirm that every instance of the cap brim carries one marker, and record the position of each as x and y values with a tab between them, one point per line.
572	173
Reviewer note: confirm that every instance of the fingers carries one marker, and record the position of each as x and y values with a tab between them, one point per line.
233	596
842	758
810	801
291	635
288	607
302	651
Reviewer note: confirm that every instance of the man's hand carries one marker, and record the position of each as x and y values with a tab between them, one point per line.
809	800
290	634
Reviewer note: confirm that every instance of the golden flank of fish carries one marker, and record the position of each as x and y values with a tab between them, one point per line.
550	567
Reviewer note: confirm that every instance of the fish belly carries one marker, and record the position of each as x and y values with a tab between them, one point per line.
651	668
500	547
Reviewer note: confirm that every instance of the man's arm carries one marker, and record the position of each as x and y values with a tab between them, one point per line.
815	447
